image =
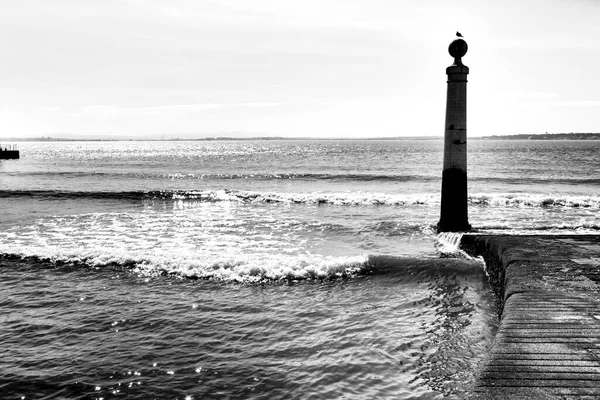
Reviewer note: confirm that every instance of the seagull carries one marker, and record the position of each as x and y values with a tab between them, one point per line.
458	34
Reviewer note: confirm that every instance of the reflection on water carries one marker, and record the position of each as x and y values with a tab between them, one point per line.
407	329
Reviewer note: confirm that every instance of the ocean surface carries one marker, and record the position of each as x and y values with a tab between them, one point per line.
300	269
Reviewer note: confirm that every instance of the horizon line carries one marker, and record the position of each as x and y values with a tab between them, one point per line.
154	138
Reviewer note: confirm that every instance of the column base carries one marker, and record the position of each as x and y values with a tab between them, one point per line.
454	216
453	226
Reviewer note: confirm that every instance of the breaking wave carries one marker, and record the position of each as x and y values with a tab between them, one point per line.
535	200
239	268
250	269
579	227
318	198
343	199
354	198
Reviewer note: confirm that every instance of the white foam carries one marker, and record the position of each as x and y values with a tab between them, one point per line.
338	198
535	200
448	243
387	199
243	268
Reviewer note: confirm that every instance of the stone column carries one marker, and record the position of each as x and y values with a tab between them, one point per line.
454	215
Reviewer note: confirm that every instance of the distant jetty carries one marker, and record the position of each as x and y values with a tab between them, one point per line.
9	153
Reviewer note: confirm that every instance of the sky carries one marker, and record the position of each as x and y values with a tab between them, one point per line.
297	68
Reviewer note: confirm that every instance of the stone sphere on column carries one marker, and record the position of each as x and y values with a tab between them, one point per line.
458	48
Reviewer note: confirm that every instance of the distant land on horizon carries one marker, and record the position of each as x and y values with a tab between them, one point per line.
544	136
201	139
242	137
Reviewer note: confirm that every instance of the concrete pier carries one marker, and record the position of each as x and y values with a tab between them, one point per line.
548	342
454	215
9	153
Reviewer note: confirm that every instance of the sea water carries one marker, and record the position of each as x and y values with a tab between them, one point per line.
262	269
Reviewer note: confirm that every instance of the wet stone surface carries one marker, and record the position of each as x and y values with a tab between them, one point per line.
548	342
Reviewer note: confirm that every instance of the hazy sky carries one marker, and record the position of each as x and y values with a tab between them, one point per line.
295	67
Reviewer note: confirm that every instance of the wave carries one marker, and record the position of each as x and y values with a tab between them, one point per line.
448	243
318	198
261	176
247	269
339	199
538	181
66	195
304	176
580	227
225	195
238	268
535	200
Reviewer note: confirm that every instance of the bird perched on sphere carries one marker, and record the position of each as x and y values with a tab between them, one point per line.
459	34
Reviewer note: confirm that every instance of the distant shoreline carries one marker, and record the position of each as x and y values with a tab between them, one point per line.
523	136
544	136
